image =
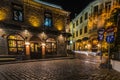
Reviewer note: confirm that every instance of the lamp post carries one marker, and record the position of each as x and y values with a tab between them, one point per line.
109	39
101	38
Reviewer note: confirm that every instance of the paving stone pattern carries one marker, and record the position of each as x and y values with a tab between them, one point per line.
67	69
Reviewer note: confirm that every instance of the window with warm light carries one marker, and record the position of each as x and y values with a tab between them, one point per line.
15	44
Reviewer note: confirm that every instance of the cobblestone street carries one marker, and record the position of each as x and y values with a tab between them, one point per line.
66	69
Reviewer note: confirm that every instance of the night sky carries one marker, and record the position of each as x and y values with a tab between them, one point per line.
73	6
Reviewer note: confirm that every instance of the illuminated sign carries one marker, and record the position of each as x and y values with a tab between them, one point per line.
110	35
101	34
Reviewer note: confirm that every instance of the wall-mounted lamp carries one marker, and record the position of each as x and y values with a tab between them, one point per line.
27	43
43	44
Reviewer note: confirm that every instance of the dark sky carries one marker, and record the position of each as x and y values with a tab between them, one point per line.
74	6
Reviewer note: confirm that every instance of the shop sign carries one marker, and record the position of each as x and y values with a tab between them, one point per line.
101	34
110	35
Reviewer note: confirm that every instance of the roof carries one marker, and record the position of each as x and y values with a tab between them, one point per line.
48	4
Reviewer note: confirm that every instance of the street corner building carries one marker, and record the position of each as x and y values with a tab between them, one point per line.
32	29
97	29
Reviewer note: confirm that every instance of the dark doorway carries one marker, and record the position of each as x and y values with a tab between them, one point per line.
50	46
35	51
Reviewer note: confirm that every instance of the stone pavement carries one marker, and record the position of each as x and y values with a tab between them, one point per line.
64	69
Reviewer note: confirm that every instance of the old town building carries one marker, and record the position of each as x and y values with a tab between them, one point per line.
32	28
99	15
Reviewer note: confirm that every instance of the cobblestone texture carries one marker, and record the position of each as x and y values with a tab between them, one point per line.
67	69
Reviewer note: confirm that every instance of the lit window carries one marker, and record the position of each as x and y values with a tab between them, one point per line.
48	20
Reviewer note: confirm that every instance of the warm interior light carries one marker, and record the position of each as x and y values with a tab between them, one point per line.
43	44
3	14
59	24
34	21
27	43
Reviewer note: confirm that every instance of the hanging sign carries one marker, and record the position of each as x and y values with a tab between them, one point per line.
110	35
101	34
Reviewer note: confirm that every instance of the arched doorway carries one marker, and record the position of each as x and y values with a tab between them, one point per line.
16	44
50	46
35	47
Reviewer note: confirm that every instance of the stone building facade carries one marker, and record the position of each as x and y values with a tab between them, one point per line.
32	28
99	14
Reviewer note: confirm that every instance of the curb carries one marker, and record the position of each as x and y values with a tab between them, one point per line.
35	60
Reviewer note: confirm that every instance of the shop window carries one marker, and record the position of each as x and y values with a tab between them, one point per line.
17	12
15	44
47	19
34	47
50	46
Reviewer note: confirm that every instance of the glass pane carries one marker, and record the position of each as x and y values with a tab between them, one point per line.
36	48
13	50
18	37
12	43
32	47
11	37
20	43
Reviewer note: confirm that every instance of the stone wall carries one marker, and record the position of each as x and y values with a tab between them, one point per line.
3	48
33	14
115	65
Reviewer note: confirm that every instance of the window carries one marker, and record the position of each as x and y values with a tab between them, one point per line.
96	10
50	46
101	8
80	31
73	35
86	16
47	19
107	6
77	23
17	12
73	25
76	33
85	29
81	19
16	44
